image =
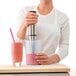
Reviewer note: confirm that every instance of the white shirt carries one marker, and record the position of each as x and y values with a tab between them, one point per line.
52	29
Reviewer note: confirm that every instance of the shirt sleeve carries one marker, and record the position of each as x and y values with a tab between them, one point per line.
64	37
20	18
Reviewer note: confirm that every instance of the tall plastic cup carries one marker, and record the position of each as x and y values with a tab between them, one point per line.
32	48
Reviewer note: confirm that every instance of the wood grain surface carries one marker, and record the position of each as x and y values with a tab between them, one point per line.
35	68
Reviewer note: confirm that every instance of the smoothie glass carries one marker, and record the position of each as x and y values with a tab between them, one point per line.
17	53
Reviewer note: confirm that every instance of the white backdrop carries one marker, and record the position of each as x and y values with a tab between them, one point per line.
8	14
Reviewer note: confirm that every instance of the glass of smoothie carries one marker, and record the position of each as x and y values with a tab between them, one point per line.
17	53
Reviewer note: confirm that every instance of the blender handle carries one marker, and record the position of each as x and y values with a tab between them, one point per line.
32	29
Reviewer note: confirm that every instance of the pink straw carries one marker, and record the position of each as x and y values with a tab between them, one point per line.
12	35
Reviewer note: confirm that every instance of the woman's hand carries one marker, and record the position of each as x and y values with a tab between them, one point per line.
44	59
30	18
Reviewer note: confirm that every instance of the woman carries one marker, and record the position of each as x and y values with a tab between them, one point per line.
53	30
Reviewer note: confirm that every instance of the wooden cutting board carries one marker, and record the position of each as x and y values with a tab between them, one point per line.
35	68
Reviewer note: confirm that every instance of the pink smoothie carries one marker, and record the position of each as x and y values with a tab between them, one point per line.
17	51
30	59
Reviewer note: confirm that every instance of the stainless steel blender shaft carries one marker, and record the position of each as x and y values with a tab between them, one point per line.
32	30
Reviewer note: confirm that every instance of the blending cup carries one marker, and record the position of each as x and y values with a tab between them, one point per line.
32	48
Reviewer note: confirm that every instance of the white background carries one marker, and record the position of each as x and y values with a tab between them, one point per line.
8	13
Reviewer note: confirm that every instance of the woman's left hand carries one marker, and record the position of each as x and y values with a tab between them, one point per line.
44	59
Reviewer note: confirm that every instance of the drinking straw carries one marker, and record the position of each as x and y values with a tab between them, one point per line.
12	35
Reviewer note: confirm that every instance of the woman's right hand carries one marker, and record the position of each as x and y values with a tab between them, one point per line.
30	18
